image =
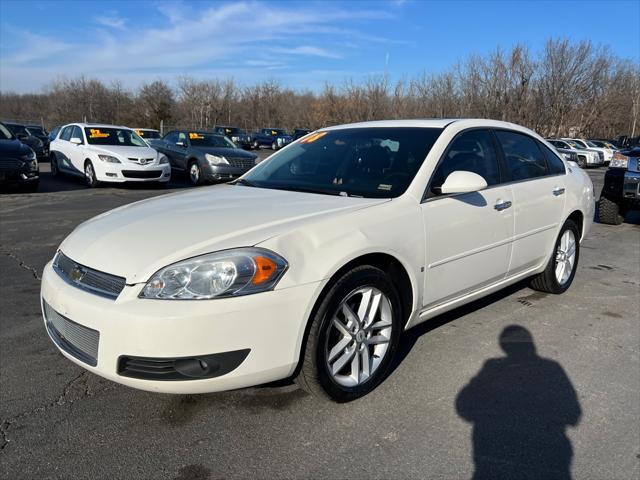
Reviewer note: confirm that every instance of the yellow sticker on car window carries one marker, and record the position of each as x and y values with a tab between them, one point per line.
96	133
312	138
195	136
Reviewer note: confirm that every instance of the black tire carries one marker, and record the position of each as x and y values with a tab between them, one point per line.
53	162
194	178
609	212
547	281
314	376
90	175
274	146
582	163
31	186
255	145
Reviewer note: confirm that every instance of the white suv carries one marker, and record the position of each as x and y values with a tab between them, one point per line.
107	153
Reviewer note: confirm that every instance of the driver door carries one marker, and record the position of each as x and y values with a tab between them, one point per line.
468	235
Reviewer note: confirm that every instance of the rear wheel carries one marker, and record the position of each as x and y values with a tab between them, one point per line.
90	175
353	336
609	212
582	162
558	275
255	145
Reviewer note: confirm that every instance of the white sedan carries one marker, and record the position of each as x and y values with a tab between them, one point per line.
106	153
313	263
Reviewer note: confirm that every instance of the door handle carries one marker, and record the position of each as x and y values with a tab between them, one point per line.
558	191
502	205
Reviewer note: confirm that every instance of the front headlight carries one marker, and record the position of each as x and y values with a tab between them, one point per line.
230	273
108	159
619	161
163	159
215	159
29	157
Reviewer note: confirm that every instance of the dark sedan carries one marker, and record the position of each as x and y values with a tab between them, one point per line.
18	163
22	134
205	156
41	134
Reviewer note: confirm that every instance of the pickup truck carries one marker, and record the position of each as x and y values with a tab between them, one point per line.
621	191
236	134
273	138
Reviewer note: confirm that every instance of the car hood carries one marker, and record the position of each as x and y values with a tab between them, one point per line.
136	240
125	152
13	148
226	152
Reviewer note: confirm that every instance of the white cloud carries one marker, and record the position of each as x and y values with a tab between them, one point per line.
187	39
112	22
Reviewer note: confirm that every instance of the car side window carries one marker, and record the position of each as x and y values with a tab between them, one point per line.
171	137
523	157
554	164
472	151
66	133
77	133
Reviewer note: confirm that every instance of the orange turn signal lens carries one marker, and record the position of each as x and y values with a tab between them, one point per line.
265	268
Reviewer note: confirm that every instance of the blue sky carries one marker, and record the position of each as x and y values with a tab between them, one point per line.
300	44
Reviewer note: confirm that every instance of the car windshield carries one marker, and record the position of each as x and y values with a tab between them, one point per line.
592	144
276	131
37	131
18	130
232	130
5	133
199	139
365	162
122	137
148	133
574	144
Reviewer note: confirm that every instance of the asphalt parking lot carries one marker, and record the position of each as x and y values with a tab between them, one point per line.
58	421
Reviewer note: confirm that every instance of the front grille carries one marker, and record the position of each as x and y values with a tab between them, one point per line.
75	339
141	173
88	279
8	164
242	162
574	156
141	161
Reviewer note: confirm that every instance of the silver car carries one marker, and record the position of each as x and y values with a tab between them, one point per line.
586	157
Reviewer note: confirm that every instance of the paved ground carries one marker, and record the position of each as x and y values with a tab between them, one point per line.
60	422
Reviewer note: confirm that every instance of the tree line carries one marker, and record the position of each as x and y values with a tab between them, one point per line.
568	88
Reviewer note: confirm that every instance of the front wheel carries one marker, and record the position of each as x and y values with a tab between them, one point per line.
353	336
558	275
90	175
609	212
195	173
53	162
274	146
255	145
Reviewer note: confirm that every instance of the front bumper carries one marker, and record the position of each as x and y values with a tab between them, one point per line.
22	176
132	172
622	185
270	325
217	173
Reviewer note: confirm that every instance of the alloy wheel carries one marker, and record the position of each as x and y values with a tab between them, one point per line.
358	336
194	173
89	174
565	257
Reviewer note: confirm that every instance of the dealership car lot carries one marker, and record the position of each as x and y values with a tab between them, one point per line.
408	428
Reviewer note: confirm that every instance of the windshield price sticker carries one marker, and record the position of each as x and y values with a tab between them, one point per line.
313	138
195	136
96	133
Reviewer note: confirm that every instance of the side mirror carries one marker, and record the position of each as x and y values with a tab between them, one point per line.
76	141
462	181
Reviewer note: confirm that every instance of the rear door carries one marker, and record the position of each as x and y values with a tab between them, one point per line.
538	199
468	236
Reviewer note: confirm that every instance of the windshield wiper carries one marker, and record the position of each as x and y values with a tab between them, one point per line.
242	181
324	191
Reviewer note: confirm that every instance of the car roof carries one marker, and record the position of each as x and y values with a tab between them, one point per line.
437	123
97	125
146	129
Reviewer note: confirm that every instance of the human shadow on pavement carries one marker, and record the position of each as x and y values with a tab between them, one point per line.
520	406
